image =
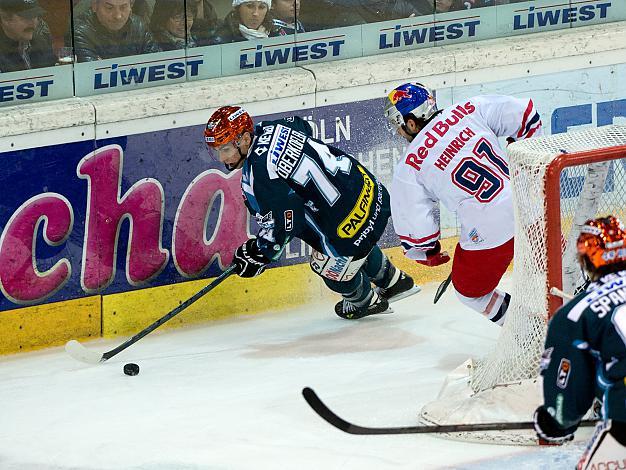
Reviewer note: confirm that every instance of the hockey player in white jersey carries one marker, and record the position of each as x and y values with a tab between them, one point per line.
454	157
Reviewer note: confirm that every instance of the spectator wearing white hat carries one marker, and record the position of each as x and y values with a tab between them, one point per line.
248	20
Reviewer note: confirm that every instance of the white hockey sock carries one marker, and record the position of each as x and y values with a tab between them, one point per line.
493	305
497	307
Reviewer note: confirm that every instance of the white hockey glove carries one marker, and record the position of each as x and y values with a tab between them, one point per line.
549	432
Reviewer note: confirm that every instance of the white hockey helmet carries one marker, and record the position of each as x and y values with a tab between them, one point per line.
409	99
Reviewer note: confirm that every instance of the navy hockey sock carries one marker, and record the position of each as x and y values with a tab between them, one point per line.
379	268
357	290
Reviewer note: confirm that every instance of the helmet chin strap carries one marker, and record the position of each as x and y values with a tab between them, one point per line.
233	166
410	134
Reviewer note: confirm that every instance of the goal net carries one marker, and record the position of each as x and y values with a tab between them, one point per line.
558	183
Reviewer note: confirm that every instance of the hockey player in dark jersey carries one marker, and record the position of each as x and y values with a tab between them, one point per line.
297	186
585	351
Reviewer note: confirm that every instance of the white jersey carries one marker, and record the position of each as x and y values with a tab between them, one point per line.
457	159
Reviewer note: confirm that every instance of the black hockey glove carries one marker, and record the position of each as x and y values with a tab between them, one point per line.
548	430
248	259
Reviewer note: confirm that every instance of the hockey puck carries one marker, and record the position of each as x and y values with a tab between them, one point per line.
131	369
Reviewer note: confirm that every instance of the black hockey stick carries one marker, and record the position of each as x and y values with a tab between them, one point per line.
321	409
442	288
80	353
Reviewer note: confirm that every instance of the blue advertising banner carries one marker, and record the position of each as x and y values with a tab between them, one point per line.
253	56
29	86
546	15
148	70
288	51
212	62
487	23
429	31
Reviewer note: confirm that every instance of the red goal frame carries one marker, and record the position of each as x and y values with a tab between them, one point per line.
552	187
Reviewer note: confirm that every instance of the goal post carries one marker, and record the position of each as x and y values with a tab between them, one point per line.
560	271
558	183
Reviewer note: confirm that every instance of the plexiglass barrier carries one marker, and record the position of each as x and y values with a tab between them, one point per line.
51	49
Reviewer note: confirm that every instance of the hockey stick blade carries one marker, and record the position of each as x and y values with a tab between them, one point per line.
330	417
81	353
442	288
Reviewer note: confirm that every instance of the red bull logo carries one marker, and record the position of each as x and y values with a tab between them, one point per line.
397	95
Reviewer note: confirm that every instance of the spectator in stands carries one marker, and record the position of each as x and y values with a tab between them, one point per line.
58	18
205	23
248	20
444	6
371	11
141	8
109	29
325	14
171	24
285	14
25	41
384	10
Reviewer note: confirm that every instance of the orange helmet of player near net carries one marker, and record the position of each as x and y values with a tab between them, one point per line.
227	124
602	241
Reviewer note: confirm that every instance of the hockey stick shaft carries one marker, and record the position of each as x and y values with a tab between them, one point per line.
72	345
559	293
330	417
442	288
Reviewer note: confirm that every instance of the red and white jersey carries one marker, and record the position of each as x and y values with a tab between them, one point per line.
457	159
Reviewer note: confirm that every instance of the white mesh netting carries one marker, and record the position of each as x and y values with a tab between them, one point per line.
503	385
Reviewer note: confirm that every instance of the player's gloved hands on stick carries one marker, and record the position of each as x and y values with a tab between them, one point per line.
434	257
248	259
548	430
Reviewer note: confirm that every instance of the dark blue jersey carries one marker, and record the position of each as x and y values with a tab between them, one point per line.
297	186
586	352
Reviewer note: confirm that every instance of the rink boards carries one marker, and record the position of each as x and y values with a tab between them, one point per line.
69	266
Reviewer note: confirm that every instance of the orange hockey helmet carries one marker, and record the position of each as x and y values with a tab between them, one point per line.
602	241
227	124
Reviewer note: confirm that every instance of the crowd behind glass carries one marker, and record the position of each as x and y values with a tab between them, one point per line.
43	33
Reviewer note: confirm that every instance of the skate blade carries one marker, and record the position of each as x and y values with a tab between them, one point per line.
403	295
389	310
363	315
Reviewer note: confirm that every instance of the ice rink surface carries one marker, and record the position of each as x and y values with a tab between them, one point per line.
228	396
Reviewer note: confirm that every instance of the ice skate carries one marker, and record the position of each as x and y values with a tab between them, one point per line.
400	287
349	311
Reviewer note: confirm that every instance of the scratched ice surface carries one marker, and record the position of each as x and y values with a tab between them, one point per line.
227	396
